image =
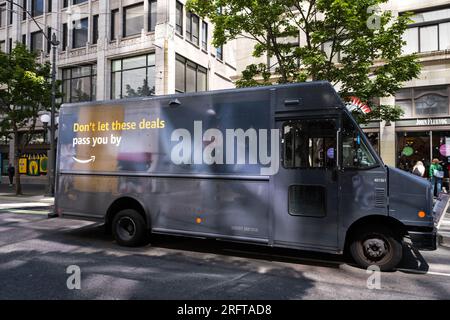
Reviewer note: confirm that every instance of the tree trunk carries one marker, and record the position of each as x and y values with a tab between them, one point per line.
16	162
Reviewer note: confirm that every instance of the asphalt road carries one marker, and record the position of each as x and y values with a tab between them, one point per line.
35	253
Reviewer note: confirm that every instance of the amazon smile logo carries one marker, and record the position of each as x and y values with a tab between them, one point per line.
84	161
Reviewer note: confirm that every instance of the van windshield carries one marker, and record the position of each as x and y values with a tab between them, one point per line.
355	153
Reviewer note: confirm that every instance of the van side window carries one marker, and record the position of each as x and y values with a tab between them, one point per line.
355	153
309	143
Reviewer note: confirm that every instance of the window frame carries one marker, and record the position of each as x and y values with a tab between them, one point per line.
33	8
75	30
283	145
198	69
204	42
70	78
115	18
179	9
32	42
194	39
147	66
431	23
413	97
124	19
95	34
152	24
364	140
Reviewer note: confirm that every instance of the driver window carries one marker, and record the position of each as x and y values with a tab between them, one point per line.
355	153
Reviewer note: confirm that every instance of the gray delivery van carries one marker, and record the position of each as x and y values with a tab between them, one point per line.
284	166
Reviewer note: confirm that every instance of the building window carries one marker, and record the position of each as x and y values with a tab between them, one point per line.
65	3
80	33
114	24
11	12
36	41
24	39
95	29
219	53
179	18
78	1
192	28
49	6
430	31
64	36
37	8
133	77
424	101
204	35
189	76
10	45
79	83
24	9
152	7
133	19
2	46
2	15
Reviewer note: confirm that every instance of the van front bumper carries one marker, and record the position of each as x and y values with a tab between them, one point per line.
424	240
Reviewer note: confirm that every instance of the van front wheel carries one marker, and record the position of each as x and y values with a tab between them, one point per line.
129	228
376	246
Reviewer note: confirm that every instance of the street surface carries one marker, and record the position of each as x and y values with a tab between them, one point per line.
35	253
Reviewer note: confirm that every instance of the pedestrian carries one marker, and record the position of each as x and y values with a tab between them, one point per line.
11	172
436	176
419	169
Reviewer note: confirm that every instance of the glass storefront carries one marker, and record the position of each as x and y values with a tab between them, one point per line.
423	146
413	147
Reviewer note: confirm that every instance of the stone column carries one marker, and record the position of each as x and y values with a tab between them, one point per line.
388	137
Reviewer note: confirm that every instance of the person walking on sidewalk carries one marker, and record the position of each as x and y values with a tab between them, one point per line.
11	173
436	176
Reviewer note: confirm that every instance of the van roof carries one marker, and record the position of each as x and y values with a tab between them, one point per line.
313	94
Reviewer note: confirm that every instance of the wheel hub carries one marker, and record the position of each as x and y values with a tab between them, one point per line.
375	248
126	228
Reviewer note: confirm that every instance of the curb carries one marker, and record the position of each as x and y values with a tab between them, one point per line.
444	238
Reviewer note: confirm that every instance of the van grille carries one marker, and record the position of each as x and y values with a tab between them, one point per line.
380	198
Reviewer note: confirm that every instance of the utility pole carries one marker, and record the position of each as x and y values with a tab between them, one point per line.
52	156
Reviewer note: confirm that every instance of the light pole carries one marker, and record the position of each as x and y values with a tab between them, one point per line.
51	156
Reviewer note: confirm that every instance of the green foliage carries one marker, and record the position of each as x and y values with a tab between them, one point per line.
363	55
25	91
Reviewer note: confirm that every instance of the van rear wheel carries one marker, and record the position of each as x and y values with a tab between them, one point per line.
376	246
129	228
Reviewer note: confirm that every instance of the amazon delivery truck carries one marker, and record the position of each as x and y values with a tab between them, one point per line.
284	166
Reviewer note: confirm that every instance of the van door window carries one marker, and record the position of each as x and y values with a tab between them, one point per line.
309	143
355	153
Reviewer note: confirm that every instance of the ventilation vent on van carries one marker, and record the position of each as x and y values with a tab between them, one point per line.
380	198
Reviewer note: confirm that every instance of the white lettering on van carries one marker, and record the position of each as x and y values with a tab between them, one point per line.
241	147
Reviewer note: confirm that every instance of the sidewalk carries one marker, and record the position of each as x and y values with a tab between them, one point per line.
444	231
33	197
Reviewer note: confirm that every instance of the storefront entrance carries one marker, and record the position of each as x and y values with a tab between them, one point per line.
413	146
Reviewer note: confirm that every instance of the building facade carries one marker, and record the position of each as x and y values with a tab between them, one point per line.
114	49
423	133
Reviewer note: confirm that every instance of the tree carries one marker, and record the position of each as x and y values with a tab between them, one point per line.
25	91
350	43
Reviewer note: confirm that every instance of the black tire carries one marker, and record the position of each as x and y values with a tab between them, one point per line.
376	245
129	228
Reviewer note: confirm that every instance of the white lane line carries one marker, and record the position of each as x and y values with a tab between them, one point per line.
425	272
